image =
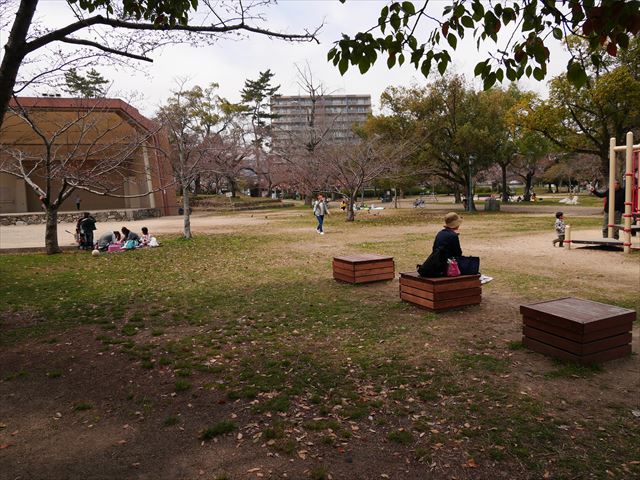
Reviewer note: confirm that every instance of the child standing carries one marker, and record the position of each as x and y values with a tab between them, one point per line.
560	226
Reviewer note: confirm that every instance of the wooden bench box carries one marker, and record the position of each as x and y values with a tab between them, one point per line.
363	268
440	293
577	330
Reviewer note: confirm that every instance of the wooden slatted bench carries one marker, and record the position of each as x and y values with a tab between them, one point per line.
363	268
440	293
578	330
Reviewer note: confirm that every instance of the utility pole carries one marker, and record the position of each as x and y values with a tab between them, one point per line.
470	193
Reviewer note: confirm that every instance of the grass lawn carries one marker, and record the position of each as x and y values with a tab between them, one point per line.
237	355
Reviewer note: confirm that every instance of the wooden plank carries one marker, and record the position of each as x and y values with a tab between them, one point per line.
375	278
577	337
438	280
577	348
602	241
426	285
578	328
363	266
344	271
442	304
604	356
362	257
467	292
373	265
578	315
447	287
344	266
411	282
344	278
375	271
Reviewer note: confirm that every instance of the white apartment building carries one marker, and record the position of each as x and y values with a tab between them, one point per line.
334	114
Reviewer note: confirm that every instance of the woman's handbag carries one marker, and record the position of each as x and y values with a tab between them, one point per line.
452	268
468	265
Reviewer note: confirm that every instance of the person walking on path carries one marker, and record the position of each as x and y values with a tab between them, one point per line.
78	202
560	228
618	206
320	209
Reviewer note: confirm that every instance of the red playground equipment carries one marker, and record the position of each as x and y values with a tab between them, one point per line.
632	195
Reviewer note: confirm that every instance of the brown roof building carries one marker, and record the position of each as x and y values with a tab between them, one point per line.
105	147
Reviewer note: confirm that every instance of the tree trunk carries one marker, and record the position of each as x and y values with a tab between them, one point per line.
51	232
185	213
197	188
471	205
307	200
505	187
351	214
395	197
456	194
232	186
14	52
528	180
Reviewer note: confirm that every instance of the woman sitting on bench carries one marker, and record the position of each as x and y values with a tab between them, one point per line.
447	246
447	238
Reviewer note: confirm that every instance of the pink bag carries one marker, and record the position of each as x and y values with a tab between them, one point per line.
452	268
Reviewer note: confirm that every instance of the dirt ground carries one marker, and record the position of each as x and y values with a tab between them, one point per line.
43	434
32	236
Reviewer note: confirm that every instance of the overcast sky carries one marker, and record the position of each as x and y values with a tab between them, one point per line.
230	62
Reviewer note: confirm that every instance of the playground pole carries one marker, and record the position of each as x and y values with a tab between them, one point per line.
611	213
627	193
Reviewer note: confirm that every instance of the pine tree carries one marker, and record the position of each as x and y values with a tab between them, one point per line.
93	85
256	95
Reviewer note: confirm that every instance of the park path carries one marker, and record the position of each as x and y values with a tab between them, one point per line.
14	237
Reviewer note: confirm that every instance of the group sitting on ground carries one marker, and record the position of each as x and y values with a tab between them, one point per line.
128	240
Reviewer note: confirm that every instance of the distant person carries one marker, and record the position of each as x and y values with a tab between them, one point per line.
618	207
109	238
560	228
320	209
130	239
87	227
343	205
78	202
145	238
148	240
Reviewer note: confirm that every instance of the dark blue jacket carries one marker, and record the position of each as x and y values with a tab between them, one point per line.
618	199
448	239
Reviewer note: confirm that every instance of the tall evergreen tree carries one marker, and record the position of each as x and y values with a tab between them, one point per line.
93	85
256	96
